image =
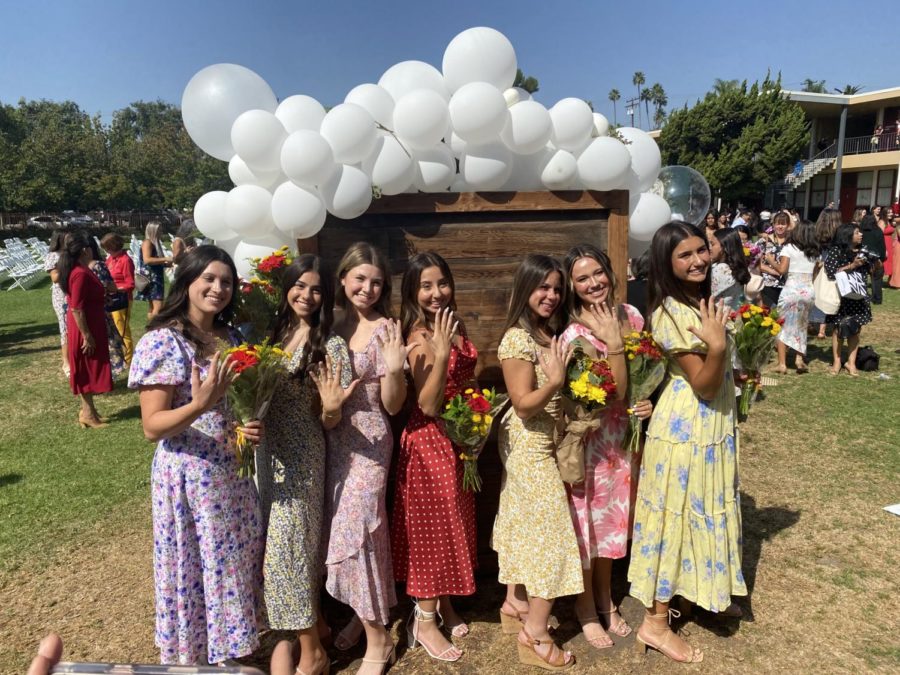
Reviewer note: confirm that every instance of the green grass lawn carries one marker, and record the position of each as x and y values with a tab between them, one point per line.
57	480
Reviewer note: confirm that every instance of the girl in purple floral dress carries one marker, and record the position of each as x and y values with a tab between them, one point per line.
207	539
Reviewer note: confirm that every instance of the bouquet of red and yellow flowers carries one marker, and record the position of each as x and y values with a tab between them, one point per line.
259	297
755	331
646	370
589	387
467	423
259	368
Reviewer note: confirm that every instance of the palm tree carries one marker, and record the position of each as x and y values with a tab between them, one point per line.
529	84
724	86
660	100
637	81
814	86
647	97
614	96
850	89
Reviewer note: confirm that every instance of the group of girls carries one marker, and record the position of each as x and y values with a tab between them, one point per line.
222	553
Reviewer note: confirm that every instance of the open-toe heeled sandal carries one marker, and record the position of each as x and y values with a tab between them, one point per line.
555	659
346	640
602	641
512	620
621	628
642	644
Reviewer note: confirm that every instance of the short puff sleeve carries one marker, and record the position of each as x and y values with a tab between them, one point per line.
159	358
517	344
670	324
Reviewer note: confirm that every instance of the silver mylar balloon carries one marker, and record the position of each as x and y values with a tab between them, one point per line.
685	191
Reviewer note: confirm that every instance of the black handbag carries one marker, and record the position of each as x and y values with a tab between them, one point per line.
867	359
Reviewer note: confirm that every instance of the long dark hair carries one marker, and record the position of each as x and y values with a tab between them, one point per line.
594	253
174	312
843	240
57	241
321	322
662	282
411	314
531	273
803	237
363	253
733	248
74	246
827	225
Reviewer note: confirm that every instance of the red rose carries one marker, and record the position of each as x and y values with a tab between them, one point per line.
479	404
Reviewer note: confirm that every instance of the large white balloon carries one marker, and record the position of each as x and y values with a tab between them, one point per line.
528	129
241	174
257	136
604	164
259	247
407	76
390	165
347	193
559	171
300	112
515	95
649	212
421	118
209	215
307	158
573	122
248	211
479	54
215	97
601	125
645	158
486	167
526	172
350	131
457	145
298	212
478	112
376	101
435	168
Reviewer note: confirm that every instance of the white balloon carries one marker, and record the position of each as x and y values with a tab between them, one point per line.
457	145
350	131
241	174
421	118
572	123
479	55
228	245
645	157
209	215
559	171
248	211
648	213
478	112
390	165
435	168
259	247
215	97
407	76
298	212
347	193
526	172
300	112
257	136
376	101
307	158
604	164
601	125
459	184
515	95
528	129
486	167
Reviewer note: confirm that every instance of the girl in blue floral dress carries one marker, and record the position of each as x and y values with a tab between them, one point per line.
687	525
207	539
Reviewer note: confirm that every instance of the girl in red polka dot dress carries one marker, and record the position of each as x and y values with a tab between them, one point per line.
433	534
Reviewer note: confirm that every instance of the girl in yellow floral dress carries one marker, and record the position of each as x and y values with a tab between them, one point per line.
687	526
533	534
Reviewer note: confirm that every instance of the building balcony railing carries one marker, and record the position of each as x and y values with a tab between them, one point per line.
858	145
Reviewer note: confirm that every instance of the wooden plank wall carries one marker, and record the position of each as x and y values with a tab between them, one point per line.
483	237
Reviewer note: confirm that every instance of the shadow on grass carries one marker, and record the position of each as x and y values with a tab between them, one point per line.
130	413
10	479
13	342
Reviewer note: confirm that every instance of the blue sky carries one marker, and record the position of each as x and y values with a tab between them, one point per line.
104	54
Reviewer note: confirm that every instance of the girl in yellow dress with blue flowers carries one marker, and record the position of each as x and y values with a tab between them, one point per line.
687	526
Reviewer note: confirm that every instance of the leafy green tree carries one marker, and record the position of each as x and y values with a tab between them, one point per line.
724	86
814	86
614	96
529	84
741	141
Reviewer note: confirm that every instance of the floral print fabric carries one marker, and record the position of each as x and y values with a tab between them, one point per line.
207	541
533	533
600	506
57	297
687	525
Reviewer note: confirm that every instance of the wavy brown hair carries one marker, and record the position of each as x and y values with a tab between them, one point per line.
363	253
530	274
411	315
661	282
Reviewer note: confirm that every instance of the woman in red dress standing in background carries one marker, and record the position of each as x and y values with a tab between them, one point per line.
90	372
433	537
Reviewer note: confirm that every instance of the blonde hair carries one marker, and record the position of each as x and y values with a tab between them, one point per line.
363	253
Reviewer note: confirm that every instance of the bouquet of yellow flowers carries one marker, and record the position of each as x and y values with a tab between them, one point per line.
755	331
259	297
259	367
467	423
589	387
646	370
